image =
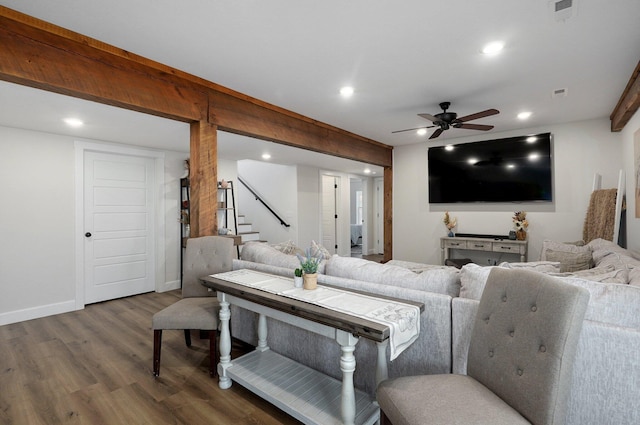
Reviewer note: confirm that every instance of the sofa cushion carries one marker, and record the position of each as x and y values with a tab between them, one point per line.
440	280
571	257
538	266
260	252
606	274
611	303
608	253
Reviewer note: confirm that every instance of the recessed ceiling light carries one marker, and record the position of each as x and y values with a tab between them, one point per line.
524	115
493	48
472	160
534	157
346	91
422	132
73	122
448	148
511	166
266	156
531	139
367	170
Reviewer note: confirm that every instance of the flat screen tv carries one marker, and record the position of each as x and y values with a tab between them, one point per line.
515	169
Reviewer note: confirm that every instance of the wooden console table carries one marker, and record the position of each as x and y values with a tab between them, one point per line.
302	392
507	246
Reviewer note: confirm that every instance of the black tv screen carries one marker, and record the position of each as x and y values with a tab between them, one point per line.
515	169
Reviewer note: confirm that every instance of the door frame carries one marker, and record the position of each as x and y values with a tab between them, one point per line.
158	232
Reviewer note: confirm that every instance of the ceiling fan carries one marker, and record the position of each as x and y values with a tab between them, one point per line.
445	120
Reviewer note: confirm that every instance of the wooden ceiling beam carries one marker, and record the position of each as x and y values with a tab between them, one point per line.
45	56
238	116
629	102
48	60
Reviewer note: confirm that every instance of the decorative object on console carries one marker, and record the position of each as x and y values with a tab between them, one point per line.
186	169
297	278
450	223
309	265
520	222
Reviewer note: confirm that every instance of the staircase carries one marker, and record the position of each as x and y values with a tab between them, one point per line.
245	230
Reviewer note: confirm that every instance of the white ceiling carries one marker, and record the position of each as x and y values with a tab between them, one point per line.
403	58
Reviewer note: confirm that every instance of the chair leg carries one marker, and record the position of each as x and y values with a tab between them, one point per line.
214	354
187	337
383	419
157	345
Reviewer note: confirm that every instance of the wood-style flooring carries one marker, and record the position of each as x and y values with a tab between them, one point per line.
94	366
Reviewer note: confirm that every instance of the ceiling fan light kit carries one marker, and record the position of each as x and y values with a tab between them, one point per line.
446	120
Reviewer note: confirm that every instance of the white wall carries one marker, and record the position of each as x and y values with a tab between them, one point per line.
580	149
630	133
37	223
277	186
309	211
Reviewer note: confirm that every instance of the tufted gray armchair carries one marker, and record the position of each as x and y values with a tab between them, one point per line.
519	363
198	308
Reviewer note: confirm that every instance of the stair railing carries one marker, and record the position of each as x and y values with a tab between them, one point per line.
259	198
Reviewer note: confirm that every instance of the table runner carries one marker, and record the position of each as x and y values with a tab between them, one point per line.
403	319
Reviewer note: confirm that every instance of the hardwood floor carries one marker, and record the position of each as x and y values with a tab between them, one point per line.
94	366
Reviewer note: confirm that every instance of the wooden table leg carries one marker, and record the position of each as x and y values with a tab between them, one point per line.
262	333
382	371
225	342
347	343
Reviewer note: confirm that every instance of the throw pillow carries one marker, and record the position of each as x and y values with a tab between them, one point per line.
571	257
317	248
570	261
287	247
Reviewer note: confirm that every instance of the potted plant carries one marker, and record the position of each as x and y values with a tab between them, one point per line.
297	278
309	265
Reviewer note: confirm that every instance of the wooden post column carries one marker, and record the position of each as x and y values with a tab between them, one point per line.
388	214
203	176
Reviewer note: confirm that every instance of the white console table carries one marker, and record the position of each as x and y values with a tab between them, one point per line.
302	392
508	246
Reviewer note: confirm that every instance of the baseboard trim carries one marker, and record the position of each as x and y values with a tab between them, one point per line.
168	286
37	312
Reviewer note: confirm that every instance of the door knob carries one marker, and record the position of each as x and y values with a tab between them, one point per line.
88	234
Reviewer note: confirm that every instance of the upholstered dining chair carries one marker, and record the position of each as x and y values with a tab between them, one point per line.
198	309
519	363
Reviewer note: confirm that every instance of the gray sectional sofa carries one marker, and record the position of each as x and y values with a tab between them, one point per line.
606	380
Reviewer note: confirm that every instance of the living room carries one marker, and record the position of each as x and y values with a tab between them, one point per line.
581	148
40	229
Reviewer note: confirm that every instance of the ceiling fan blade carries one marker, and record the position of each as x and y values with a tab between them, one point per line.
429	117
436	133
480	127
412	129
477	115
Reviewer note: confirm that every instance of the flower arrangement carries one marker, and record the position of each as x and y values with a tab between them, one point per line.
309	263
451	223
520	220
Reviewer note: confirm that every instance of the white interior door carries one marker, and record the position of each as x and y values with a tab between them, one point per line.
329	212
119	218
